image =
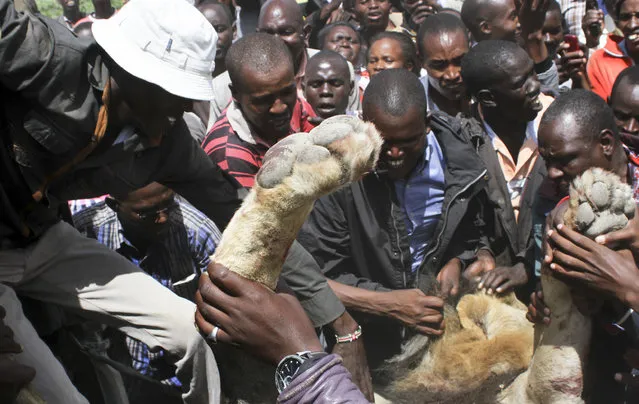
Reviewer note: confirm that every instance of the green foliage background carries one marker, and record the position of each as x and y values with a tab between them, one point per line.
51	8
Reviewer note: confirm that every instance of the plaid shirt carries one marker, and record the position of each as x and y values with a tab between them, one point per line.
574	11
176	262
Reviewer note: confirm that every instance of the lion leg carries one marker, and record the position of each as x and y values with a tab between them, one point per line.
296	171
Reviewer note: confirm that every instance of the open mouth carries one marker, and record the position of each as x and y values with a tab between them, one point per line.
634	37
394	164
326	107
281	123
535	103
374	16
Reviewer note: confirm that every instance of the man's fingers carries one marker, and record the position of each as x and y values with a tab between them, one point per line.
569	263
561	243
206	329
428	330
576	238
210	312
227	280
211	294
506	286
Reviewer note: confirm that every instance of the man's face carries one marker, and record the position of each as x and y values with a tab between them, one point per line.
404	140
385	54
419	10
625	105
566	154
553	31
277	20
442	57
145	213
267	100
629	23
327	87
343	40
219	19
505	23
70	4
373	14
517	96
148	107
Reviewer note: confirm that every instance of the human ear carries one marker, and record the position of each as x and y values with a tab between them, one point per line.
607	142
486	98
485	28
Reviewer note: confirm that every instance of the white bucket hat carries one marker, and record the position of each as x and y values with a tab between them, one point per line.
165	42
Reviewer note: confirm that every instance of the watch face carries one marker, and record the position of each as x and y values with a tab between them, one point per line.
286	371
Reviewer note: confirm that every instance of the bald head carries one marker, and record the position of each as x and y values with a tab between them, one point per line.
324	57
491	19
284	19
209	7
277	9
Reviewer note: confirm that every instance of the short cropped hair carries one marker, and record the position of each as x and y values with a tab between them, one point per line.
321	37
394	91
590	112
437	24
257	52
482	67
629	76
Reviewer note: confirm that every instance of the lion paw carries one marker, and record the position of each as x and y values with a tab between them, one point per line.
344	143
599	203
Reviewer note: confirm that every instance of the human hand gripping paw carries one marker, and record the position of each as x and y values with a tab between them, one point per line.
599	203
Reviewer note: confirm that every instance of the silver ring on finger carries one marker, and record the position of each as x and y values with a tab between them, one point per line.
213	335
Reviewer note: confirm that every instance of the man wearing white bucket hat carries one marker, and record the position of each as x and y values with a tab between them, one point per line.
80	119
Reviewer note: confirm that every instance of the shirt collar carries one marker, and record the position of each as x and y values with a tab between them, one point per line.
241	126
431	145
531	131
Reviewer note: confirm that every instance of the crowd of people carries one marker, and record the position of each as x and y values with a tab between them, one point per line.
130	137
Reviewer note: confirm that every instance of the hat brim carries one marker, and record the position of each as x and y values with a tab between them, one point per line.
145	66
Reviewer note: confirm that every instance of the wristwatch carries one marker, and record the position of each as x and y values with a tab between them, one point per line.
292	365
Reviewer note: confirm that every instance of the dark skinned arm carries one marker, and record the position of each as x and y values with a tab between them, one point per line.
411	307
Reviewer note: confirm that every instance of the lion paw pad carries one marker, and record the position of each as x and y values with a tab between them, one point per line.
599	203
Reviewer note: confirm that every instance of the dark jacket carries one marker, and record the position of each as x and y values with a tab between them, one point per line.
511	240
358	234
51	87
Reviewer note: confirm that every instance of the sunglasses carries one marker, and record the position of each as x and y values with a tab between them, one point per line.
150	216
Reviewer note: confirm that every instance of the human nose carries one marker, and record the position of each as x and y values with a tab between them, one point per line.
452	73
278	107
394	152
326	90
554	173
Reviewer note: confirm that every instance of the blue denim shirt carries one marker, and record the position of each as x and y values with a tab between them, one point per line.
421	196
